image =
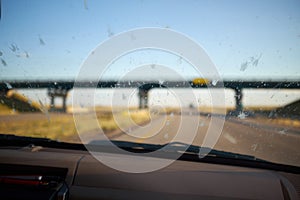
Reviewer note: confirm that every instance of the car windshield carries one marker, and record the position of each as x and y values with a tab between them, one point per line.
222	75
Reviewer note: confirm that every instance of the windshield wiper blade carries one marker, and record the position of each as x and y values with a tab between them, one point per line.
206	151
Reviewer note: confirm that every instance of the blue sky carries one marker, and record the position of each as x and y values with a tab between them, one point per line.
51	39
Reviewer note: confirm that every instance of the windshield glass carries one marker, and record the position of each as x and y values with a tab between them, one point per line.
216	74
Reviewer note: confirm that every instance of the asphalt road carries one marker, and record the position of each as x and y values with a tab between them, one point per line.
272	142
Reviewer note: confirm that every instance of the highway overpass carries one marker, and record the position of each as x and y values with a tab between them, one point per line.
60	88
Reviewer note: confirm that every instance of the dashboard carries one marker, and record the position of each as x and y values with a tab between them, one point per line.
87	178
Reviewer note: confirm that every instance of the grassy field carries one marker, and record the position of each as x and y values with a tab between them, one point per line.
62	126
4	110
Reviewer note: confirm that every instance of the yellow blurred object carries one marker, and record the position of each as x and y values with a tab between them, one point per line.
200	81
12	94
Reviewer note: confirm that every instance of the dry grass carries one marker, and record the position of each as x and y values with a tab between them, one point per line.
281	121
215	110
4	110
58	127
62	126
260	108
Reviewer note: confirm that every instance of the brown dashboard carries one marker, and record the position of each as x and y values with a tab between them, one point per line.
87	178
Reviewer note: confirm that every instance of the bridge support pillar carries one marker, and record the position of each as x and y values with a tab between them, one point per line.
238	100
143	98
58	92
52	104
